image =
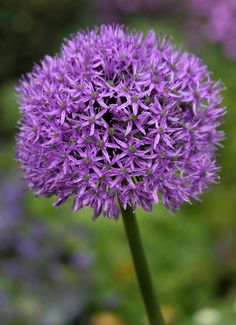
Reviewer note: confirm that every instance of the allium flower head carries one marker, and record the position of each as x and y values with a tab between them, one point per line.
119	115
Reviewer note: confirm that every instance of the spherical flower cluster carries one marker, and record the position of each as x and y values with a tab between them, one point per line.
119	116
220	25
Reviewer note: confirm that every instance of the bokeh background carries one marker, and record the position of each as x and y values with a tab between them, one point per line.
60	268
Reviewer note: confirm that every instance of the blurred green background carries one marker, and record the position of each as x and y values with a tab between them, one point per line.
60	268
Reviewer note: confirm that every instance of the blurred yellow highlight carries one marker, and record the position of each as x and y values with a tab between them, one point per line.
106	318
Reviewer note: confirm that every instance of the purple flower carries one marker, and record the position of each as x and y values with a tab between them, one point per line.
81	260
3	298
220	22
114	10
119	115
11	200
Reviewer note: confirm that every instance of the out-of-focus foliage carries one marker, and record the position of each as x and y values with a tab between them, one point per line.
192	254
202	20
31	28
48	267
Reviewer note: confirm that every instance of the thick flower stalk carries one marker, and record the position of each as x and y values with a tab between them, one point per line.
119	115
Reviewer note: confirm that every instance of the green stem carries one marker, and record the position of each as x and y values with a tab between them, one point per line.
143	274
